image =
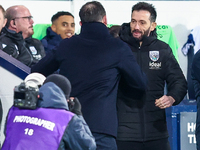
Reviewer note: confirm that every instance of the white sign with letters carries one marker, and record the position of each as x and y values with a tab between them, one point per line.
187	130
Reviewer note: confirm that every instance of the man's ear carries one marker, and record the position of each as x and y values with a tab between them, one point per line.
13	26
5	21
153	26
80	23
53	27
12	23
104	20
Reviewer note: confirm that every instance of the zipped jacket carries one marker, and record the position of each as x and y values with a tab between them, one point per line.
139	118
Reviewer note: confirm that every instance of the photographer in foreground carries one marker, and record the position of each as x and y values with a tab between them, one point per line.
51	125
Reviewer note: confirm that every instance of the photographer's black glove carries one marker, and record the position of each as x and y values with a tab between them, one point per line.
75	106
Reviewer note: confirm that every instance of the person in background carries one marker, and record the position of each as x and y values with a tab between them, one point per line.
16	38
3	20
114	30
195	74
143	126
94	62
62	27
51	125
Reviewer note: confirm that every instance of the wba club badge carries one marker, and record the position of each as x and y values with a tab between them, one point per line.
33	50
154	55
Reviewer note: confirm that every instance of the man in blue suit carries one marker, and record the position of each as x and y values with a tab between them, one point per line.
94	62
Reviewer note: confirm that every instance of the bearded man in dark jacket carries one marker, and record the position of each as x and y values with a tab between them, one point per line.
16	38
143	126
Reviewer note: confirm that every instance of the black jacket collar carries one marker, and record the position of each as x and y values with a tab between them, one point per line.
94	30
12	34
51	34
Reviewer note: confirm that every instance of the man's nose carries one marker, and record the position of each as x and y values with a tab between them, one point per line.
70	28
31	21
137	26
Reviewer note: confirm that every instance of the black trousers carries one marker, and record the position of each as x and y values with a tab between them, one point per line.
161	144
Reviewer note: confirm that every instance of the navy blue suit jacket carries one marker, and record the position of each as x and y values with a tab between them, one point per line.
94	62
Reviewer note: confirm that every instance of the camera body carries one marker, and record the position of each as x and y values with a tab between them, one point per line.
26	96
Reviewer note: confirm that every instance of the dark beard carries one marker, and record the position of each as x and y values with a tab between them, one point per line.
146	34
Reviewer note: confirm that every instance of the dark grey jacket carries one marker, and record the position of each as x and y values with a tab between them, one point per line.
28	51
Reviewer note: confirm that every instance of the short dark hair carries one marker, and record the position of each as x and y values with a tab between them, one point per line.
114	30
60	13
3	10
92	12
148	7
